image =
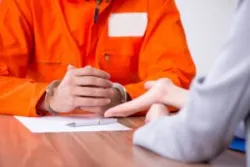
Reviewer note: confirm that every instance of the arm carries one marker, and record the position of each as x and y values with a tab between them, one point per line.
164	52
204	128
18	96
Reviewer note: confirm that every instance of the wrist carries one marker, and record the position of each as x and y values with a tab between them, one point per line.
52	101
49	101
178	96
41	107
184	97
122	91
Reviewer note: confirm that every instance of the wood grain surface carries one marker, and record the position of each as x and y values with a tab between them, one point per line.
21	148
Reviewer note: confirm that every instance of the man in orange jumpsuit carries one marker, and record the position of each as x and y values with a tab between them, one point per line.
60	55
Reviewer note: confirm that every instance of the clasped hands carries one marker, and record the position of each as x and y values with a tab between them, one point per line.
87	88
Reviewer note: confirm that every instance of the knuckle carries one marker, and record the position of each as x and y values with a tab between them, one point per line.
88	69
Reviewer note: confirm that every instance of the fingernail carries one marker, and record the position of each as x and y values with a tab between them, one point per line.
106	115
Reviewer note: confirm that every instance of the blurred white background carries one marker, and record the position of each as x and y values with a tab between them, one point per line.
206	23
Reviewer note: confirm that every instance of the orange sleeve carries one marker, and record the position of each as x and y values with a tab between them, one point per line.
18	96
164	52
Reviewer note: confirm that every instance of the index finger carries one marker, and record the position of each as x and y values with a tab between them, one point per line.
90	71
139	104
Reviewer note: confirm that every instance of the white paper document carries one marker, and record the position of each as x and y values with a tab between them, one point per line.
53	124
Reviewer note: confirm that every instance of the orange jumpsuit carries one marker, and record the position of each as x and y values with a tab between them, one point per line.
39	38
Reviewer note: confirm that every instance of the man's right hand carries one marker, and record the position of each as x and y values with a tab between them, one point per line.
81	87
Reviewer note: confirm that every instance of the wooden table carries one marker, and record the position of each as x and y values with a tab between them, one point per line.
19	148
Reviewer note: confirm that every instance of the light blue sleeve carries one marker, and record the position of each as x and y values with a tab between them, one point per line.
204	128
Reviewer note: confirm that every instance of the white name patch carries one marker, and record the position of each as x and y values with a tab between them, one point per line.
127	24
